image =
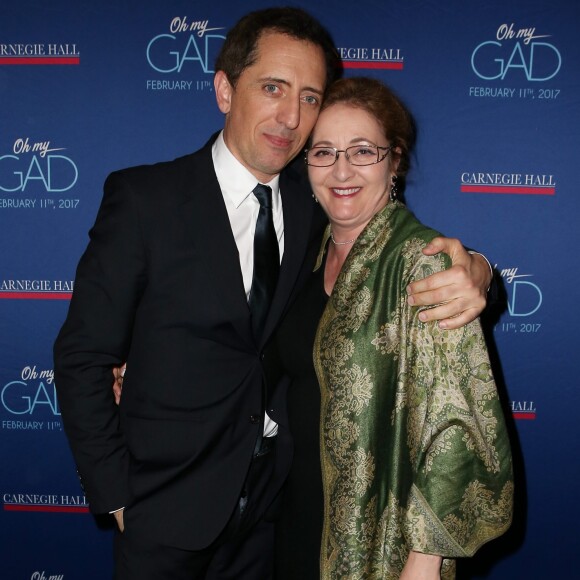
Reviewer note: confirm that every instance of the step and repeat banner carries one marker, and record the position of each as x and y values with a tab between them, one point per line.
90	87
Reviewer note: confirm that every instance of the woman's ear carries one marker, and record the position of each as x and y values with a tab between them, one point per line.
395	159
223	91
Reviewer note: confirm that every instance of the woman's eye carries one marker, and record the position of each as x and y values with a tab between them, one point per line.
365	152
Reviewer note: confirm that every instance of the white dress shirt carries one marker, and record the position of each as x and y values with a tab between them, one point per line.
237	183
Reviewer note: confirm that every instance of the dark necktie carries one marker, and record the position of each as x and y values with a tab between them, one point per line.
266	261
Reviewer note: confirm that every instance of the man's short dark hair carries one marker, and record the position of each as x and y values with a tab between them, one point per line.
239	50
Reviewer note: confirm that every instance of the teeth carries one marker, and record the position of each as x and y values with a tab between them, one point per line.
349	191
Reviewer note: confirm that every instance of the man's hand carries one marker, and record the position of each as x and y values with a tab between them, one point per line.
118	374
119	518
461	291
422	567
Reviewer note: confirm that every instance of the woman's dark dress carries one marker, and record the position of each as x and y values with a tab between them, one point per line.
299	530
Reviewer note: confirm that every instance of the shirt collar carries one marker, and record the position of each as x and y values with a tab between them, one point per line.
235	181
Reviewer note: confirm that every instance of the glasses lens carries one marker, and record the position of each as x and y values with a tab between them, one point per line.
362	154
321	156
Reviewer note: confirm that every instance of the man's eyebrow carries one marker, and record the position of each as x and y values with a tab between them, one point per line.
273	80
287	83
314	90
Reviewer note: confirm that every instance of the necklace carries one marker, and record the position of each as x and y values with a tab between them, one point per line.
341	243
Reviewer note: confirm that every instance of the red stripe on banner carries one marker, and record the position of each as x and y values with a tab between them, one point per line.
525	416
35	295
508	189
46	508
40	60
372	64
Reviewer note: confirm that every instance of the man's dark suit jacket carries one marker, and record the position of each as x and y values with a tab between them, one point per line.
160	287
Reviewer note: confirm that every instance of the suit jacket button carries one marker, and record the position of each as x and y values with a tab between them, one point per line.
254	419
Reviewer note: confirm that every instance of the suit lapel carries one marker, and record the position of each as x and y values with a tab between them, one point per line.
208	225
298	211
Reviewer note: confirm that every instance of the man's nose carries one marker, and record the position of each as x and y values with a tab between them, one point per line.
289	113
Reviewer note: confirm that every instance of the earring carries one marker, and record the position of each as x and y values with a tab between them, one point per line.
394	188
314	198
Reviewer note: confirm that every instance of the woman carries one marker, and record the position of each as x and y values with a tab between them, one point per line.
402	461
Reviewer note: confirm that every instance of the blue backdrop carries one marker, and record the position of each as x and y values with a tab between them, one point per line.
495	88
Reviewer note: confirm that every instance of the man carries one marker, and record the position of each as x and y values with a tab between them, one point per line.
190	461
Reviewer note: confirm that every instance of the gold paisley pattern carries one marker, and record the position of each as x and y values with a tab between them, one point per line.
414	450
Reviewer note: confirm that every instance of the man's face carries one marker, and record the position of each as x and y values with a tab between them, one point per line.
273	108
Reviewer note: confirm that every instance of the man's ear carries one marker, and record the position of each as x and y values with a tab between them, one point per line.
223	91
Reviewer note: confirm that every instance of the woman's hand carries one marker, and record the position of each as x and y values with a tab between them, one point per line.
460	291
422	567
118	375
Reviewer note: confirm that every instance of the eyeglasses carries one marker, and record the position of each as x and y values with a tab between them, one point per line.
355	155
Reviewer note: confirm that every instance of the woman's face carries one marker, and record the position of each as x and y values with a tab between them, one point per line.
349	194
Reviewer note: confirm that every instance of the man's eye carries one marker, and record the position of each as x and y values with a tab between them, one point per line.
270	88
311	100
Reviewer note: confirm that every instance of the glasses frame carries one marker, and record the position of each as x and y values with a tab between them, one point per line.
386	150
